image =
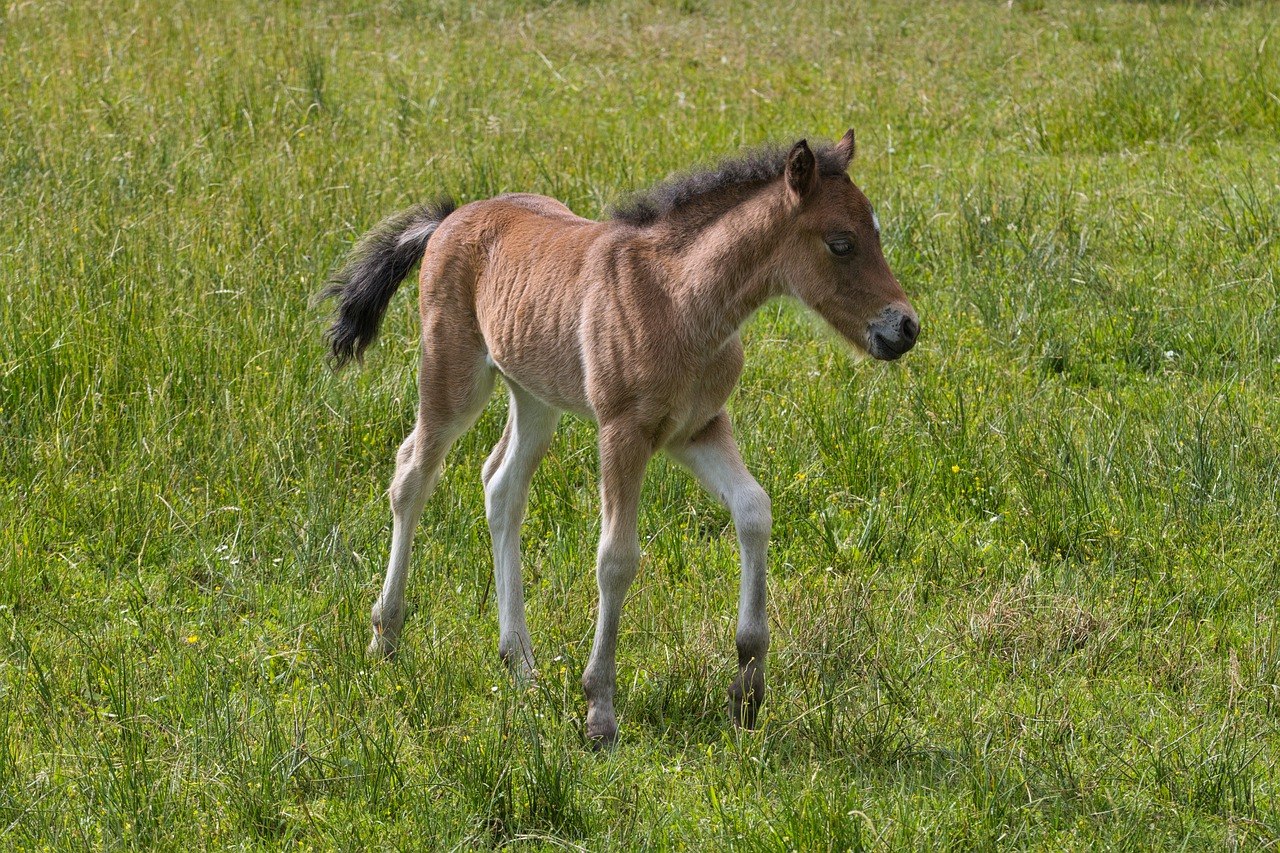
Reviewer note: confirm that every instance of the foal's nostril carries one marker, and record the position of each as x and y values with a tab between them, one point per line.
892	334
909	328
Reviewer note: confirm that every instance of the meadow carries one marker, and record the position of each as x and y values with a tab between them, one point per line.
1023	583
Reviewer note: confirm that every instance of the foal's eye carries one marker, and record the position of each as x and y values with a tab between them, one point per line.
840	246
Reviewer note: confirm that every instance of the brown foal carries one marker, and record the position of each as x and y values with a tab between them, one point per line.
633	322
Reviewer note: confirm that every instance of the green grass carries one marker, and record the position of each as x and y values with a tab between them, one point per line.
1023	583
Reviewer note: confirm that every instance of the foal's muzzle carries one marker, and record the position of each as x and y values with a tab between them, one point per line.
891	334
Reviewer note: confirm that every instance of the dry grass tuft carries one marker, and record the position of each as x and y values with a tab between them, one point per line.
1018	623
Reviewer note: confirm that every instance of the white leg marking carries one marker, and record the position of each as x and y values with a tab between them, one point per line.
715	461
419	463
530	427
418	470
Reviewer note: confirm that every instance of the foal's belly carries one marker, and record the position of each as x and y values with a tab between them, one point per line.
537	353
673	409
558	390
529	299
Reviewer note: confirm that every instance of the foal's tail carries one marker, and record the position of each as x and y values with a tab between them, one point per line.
372	272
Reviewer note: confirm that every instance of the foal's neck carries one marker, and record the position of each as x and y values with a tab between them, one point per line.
727	270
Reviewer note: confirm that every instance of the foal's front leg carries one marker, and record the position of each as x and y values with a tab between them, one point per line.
623	455
714	459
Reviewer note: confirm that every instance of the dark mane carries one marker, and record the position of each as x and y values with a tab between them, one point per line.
684	190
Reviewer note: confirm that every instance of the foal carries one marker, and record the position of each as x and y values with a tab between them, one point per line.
632	322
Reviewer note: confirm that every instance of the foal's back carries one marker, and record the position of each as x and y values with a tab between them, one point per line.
544	282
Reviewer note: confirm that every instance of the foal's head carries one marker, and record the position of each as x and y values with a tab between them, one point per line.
832	260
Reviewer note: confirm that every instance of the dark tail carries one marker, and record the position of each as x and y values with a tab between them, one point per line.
372	273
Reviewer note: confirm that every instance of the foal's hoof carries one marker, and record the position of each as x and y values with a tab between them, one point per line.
520	666
744	703
602	731
381	647
603	741
526	677
386	632
384	643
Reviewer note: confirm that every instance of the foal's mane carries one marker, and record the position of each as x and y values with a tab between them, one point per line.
700	188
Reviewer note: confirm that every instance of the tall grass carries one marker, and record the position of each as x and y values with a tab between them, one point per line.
1022	583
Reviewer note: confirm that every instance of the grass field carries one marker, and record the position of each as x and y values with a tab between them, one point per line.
1023	583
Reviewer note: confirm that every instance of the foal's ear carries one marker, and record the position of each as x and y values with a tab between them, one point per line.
802	170
846	147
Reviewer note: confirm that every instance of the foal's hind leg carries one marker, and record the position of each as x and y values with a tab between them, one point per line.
507	474
714	459
453	386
